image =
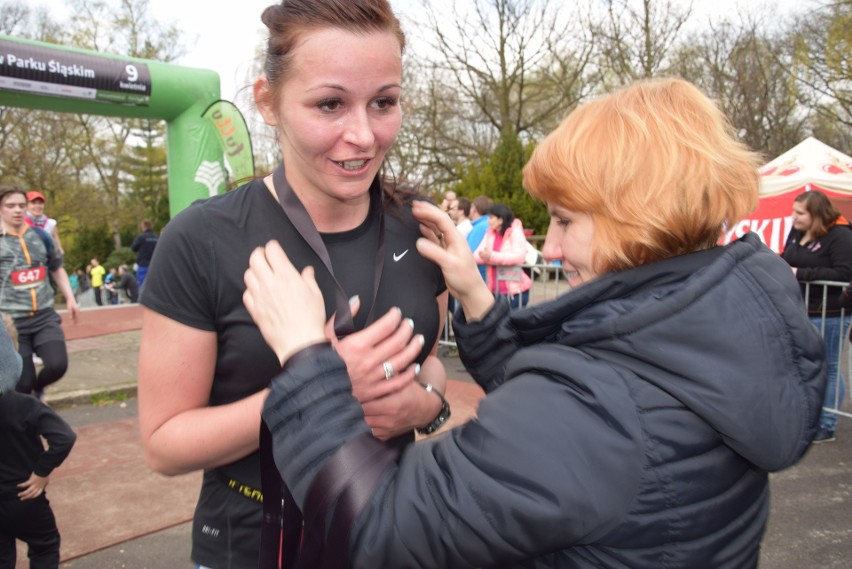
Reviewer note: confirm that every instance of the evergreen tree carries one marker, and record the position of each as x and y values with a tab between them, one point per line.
147	172
500	177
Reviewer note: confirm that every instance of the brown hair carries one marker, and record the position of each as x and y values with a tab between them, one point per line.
482	204
464	206
7	189
823	213
291	19
656	165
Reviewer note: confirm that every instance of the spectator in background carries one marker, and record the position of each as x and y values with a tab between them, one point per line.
459	212
29	259
36	217
25	467
449	197
83	283
127	283
73	280
503	250
96	273
819	248
84	293
144	246
110	286
479	219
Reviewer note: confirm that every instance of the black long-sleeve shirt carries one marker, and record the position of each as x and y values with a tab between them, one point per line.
828	258
23	421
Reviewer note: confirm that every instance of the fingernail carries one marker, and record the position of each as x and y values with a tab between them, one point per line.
398	309
421	339
416	370
353	300
410	322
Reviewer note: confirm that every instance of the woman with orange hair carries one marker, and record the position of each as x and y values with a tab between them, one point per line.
631	422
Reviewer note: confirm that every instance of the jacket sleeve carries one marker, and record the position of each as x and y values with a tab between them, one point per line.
840	259
546	465
312	396
486	345
59	436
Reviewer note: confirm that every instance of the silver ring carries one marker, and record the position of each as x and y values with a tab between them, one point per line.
388	367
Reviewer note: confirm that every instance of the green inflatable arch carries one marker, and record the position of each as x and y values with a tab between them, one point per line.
207	139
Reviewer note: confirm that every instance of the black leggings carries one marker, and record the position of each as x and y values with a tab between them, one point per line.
32	522
55	358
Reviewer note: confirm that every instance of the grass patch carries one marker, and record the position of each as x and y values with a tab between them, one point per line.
107	398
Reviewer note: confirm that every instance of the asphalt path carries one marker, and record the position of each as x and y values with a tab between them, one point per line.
810	522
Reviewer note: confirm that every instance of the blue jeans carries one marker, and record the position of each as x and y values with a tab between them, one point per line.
835	390
519	300
141	273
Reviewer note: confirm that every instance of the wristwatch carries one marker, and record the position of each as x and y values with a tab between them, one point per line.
443	414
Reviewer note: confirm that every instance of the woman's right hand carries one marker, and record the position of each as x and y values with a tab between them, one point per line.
446	247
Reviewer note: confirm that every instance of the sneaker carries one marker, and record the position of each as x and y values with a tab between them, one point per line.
823	435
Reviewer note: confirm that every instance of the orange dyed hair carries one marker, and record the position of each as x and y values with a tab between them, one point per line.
656	165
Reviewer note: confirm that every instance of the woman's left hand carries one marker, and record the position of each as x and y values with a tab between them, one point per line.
380	357
286	305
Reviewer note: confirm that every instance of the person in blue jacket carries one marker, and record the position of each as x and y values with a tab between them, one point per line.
630	423
479	218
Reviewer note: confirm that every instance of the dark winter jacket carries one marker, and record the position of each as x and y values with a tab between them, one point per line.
629	423
143	245
828	258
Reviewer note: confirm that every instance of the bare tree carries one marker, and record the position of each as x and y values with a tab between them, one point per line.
38	148
123	29
14	18
637	38
737	63
822	60
489	67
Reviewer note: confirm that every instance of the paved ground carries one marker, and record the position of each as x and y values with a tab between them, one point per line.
114	513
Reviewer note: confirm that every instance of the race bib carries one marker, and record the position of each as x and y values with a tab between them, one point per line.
29	278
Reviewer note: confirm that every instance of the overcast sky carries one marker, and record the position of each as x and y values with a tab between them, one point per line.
223	35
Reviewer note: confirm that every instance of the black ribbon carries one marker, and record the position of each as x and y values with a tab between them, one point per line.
301	220
282	530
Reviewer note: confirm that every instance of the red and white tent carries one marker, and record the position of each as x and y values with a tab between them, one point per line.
810	165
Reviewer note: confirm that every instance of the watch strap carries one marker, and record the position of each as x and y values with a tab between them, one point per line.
443	414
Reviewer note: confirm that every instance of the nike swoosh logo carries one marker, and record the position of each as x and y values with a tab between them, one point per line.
400	256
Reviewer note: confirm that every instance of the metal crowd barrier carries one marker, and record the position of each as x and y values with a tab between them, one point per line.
844	357
548	282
